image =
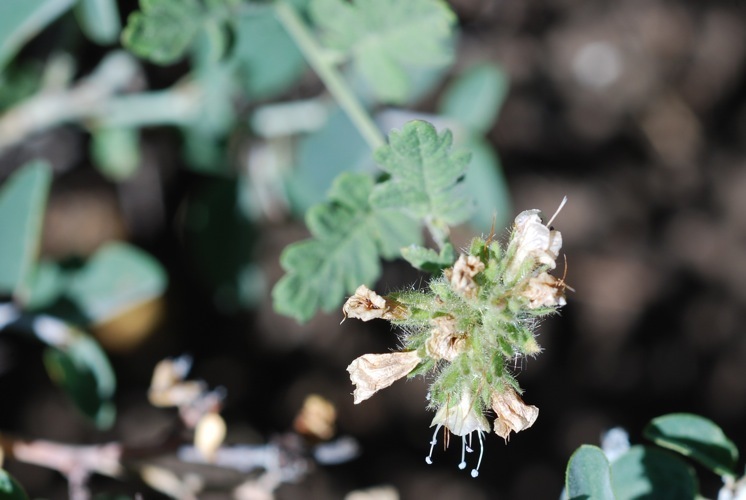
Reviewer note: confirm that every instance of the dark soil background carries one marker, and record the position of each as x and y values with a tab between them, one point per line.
635	110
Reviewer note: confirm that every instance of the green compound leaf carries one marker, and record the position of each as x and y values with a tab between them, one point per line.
695	437
427	259
23	199
164	29
384	36
644	472
425	175
349	236
588	475
9	488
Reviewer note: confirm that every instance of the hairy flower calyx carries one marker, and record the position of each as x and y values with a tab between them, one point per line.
366	305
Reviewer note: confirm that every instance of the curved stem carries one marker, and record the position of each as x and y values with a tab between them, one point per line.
329	74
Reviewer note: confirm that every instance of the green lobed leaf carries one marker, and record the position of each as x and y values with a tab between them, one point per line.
425	175
99	20
83	371
23	199
475	98
117	278
163	30
10	489
696	437
486	184
383	36
349	236
427	259
588	475
645	472
21	20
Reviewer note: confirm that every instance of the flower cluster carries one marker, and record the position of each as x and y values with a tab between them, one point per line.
474	319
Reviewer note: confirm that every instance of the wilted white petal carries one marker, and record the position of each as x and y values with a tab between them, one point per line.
444	341
372	372
532	241
209	434
462	418
367	305
544	290
513	415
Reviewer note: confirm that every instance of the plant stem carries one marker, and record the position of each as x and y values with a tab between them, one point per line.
329	74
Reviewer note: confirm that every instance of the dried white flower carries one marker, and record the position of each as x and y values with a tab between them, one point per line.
533	241
513	415
367	305
544	290
209	435
372	372
461	275
444	341
461	419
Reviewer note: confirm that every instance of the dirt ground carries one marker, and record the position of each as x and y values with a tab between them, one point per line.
636	111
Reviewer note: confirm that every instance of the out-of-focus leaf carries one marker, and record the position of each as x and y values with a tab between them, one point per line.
117	278
214	216
425	175
82	369
427	259
46	284
163	30
18	82
588	475
22	202
644	472
486	184
349	236
383	36
99	20
21	20
322	155
475	98
267	58
116	151
695	437
10	489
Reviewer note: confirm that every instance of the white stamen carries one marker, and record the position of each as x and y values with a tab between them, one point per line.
564	200
462	465
429	458
475	472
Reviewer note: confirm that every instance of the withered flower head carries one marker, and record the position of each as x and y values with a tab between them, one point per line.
544	290
461	275
533	242
444	341
513	415
367	305
372	372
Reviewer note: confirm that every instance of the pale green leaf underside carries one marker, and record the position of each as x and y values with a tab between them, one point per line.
348	240
588	475
648	472
427	259
425	175
383	36
22	203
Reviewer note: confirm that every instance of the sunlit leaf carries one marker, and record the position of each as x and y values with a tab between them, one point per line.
21	20
383	36
425	175
588	475
23	199
644	472
349	237
695	437
117	278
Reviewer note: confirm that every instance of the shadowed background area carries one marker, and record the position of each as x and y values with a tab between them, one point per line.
636	111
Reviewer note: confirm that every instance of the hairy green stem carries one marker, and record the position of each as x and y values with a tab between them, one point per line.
329	74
